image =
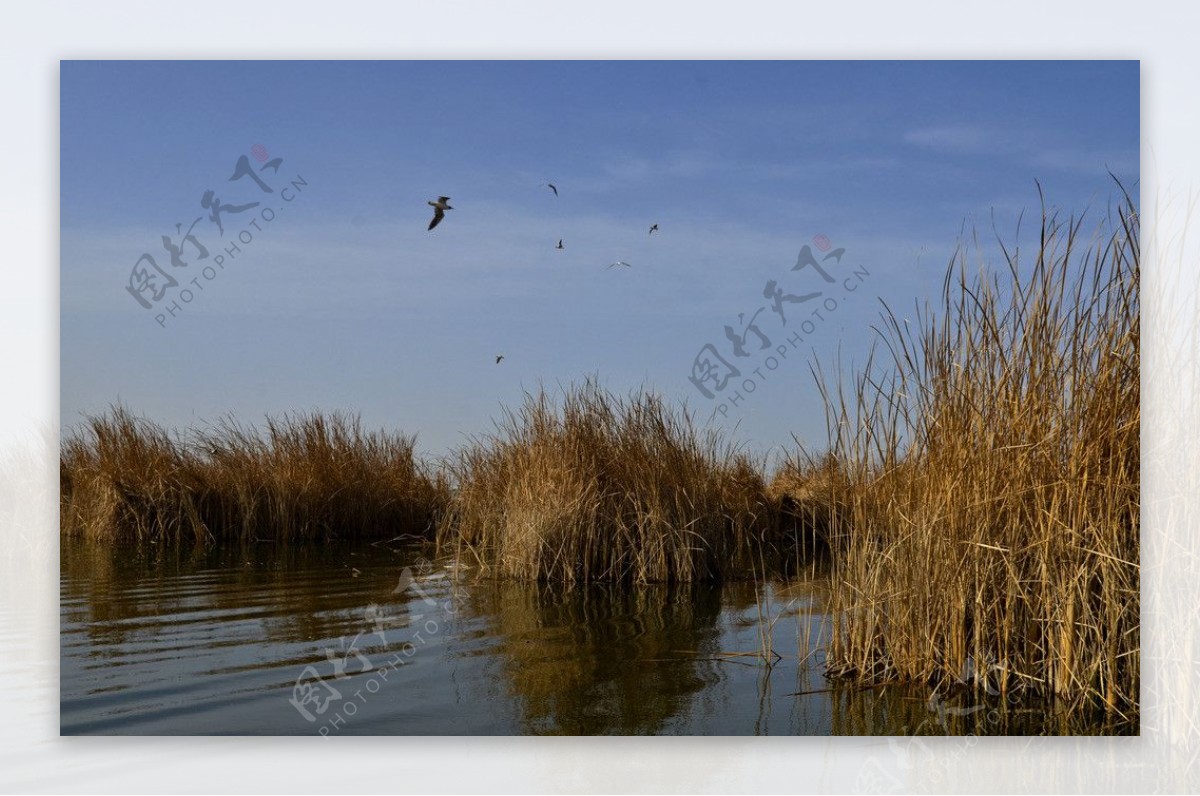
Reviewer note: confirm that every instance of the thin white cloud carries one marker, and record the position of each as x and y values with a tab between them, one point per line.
1040	150
965	139
1088	161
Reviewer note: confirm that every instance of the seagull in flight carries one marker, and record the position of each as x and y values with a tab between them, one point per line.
559	246
439	210
653	229
550	185
500	357
619	262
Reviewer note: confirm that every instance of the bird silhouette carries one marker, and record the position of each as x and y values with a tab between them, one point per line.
620	262
653	229
559	246
550	185
499	358
439	210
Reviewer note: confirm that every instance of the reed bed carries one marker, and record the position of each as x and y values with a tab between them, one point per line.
807	491
598	487
979	502
987	524
304	477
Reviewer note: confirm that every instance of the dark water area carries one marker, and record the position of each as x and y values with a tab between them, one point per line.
386	639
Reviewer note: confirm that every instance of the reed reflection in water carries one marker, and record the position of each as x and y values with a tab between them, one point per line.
209	640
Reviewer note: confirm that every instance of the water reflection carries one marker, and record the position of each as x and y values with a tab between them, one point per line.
199	640
913	711
602	659
121	594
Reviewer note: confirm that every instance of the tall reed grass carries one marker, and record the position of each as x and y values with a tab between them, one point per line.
988	521
603	488
807	490
979	501
303	477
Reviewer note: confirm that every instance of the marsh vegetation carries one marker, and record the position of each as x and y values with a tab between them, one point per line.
302	477
977	504
987	507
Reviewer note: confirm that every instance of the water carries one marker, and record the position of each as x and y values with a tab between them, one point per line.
349	639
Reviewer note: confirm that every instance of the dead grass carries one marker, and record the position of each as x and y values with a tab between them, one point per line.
304	477
988	518
603	488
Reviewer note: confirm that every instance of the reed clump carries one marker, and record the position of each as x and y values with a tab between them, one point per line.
598	487
303	477
810	493
991	505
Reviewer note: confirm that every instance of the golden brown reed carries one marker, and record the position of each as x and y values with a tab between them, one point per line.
807	492
302	477
979	501
604	488
988	522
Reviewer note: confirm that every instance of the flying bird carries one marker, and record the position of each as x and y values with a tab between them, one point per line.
619	262
550	185
653	229
439	210
499	358
559	246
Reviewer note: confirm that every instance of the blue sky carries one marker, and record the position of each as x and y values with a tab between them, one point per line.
345	301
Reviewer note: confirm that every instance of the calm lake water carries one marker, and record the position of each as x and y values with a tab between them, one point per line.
354	639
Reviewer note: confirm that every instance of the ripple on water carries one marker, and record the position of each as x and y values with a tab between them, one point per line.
216	640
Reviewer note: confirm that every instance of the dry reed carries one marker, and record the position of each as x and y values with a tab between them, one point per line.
604	488
988	522
124	478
